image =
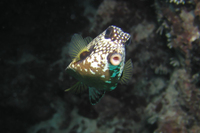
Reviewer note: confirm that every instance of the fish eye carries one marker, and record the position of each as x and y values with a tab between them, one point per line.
84	54
115	59
109	32
128	41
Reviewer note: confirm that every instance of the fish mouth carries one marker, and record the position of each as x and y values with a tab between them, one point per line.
114	58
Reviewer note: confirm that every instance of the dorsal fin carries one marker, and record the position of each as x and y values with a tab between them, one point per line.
95	95
88	39
127	72
77	88
77	45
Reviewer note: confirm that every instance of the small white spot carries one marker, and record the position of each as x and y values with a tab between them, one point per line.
92	71
108	81
100	52
105	67
90	59
103	76
94	64
85	69
84	62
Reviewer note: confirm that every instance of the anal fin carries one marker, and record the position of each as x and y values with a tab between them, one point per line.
127	72
95	95
77	88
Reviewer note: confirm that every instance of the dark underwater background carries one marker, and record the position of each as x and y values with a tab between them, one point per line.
163	95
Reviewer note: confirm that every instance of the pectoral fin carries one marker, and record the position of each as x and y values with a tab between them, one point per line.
78	45
88	39
95	95
77	88
127	72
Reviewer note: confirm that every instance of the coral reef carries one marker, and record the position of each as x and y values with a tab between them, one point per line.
182	32
163	95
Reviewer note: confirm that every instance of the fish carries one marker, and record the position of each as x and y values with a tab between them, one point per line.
99	64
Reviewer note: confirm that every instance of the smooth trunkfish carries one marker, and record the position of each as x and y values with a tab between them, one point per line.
99	64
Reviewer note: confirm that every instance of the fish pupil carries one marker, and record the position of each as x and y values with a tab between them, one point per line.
109	33
84	54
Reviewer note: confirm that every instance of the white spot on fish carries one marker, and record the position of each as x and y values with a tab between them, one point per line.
91	59
103	76
94	64
92	71
100	53
105	67
108	81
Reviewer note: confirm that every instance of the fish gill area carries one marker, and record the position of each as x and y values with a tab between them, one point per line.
163	95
